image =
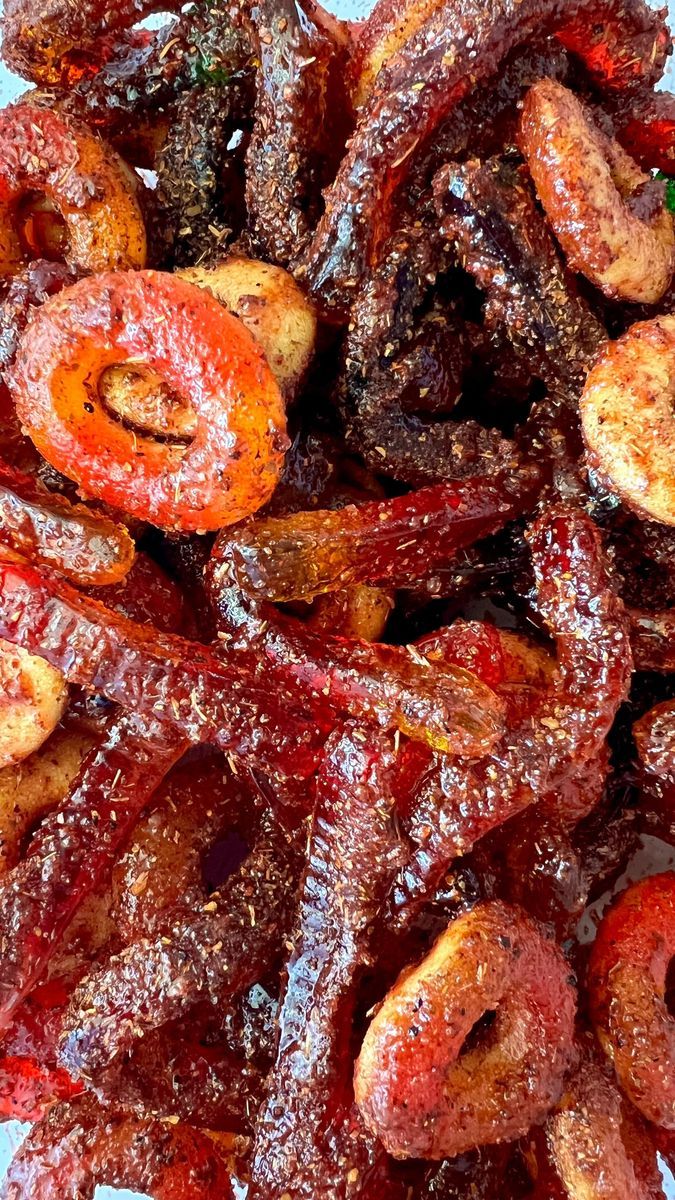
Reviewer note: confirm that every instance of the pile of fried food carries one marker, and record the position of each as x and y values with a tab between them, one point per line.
337	597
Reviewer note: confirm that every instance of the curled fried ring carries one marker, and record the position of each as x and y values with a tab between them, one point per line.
427	1094
598	1143
612	225
627	417
627	989
33	698
209	361
64	193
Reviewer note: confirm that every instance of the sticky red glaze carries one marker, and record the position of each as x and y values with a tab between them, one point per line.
552	740
646	128
199	946
420	1089
147	595
307	1143
27	1089
300	556
627	982
422	84
80	1146
181	682
60	42
85	547
75	847
391	686
208	359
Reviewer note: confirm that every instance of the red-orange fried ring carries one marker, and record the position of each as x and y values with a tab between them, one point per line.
627	418
209	361
64	194
627	983
427	1082
599	1144
609	217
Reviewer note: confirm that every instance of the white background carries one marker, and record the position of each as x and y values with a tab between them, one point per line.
655	855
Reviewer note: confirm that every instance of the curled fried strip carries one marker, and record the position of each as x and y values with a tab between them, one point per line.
420	1089
212	951
62	190
86	547
44	39
447	54
199	203
410	447
353	854
75	847
305	554
565	729
145	72
489	211
80	1146
447	708
204	697
609	216
627	991
613	59
302	51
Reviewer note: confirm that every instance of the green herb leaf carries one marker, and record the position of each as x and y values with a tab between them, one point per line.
670	190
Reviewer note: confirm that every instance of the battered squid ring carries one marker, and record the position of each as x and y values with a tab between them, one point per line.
78	197
599	1144
207	358
33	698
593	192
627	418
79	1146
627	992
416	1088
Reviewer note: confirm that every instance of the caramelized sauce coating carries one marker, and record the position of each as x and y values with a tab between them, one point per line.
75	847
88	549
303	555
552	739
353	852
80	1146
